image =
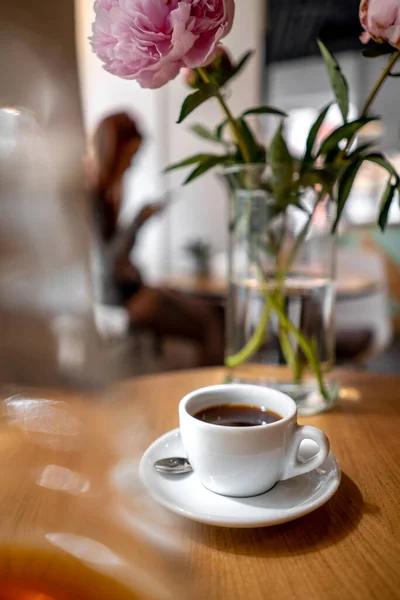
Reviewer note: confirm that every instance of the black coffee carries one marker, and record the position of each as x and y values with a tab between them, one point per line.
237	415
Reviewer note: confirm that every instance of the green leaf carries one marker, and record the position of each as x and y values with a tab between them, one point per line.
383	162
264	110
386	204
344	132
219	130
282	166
373	50
333	155
391	186
206	165
345	186
359	150
204	133
221	76
194	100
278	151
239	67
188	161
256	151
338	80
317	176
312	136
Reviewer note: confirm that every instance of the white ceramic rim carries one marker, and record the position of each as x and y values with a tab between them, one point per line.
226	387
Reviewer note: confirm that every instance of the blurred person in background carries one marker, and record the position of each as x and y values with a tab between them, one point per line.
162	311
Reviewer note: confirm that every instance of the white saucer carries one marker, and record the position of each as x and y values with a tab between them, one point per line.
186	496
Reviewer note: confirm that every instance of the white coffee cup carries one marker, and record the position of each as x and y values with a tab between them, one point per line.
246	461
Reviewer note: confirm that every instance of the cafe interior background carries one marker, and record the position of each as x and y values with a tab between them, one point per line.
286	71
71	446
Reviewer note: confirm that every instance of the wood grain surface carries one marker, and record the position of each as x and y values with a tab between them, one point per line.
350	548
62	463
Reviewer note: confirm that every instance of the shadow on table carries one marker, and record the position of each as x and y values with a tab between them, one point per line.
324	527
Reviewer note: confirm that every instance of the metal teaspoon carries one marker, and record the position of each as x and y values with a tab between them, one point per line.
173	466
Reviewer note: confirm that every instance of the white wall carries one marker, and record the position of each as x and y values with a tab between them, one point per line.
200	209
303	86
102	94
387	103
304	83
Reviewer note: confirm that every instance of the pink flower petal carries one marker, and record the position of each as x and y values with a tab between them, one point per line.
151	40
393	36
381	19
365	37
182	39
383	12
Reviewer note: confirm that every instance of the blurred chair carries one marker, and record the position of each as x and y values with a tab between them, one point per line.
363	319
387	246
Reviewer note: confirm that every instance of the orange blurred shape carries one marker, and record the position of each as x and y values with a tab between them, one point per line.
13	593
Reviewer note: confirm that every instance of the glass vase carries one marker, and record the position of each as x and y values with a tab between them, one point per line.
281	300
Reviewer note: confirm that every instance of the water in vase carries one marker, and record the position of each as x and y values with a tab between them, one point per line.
263	347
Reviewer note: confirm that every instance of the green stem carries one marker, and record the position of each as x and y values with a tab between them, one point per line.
284	340
258	338
375	91
290	356
307	347
285	326
232	121
385	73
253	344
302	236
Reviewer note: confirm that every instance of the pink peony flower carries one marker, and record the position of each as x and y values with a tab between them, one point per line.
151	40
381	21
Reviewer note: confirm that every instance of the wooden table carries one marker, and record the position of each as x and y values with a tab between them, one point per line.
58	474
350	548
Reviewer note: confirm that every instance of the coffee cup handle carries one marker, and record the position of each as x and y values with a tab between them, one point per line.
296	467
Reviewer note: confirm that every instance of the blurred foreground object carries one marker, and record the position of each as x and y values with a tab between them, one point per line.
68	532
75	526
48	333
